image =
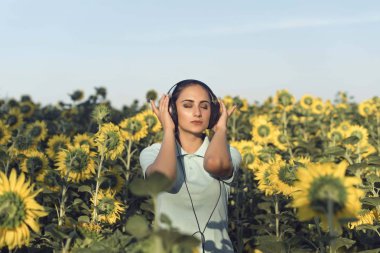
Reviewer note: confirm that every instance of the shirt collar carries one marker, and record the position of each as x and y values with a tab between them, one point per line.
200	152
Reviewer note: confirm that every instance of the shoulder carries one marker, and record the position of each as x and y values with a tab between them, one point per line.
235	154
150	150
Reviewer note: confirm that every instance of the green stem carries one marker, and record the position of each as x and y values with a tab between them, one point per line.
277	212
95	212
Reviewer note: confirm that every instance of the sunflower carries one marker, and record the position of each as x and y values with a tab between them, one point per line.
263	177
280	140
76	163
336	135
367	108
365	217
22	144
361	133
109	209
307	101
35	163
152	121
328	107
27	108
5	134
284	100
323	183
37	130
262	130
283	177
112	180
228	101
109	141
134	128
317	107
345	126
84	139
14	119
19	211
55	144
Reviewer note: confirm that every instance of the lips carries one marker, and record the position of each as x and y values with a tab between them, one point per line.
197	122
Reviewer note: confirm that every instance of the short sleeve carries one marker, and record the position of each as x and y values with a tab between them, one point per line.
236	161
148	155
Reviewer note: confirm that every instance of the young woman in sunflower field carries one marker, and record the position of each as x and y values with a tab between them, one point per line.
200	168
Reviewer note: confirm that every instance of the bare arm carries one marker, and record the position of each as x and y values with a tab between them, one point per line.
217	157
165	161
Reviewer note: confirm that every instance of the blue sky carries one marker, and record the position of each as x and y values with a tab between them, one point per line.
249	49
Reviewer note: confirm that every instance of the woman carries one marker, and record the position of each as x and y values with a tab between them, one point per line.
200	169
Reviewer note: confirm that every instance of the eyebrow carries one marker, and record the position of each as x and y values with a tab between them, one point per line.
190	100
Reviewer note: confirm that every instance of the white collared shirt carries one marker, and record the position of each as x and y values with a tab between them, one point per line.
204	190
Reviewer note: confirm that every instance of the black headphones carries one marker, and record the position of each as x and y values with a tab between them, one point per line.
215	106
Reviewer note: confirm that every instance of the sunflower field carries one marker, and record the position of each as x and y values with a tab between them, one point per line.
70	179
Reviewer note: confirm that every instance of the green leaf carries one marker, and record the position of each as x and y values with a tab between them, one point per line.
83	218
353	167
137	226
154	184
341	242
351	140
372	201
338	151
85	188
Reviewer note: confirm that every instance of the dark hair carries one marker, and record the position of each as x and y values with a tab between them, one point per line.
177	89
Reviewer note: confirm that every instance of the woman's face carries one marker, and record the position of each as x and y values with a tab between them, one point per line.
193	109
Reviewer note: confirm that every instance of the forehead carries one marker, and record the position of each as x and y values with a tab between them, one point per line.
194	92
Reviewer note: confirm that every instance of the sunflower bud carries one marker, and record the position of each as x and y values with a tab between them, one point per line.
101	113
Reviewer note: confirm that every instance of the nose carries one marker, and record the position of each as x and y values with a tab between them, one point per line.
197	111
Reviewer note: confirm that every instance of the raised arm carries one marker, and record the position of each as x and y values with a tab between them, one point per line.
165	161
218	160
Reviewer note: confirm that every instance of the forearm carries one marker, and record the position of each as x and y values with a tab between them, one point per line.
217	157
166	160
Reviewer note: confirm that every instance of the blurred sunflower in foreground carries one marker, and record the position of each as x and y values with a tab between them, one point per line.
323	184
19	211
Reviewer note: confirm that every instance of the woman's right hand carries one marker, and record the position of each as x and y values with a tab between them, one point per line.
162	113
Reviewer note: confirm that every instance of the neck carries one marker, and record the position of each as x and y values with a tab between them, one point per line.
190	142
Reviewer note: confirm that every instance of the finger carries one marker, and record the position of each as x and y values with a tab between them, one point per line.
231	110
154	108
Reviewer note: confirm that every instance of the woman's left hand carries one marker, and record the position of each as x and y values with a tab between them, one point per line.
224	115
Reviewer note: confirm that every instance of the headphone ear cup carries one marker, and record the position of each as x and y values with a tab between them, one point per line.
215	114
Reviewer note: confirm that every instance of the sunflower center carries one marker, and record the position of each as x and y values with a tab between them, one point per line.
358	134
106	206
77	161
308	101
12	210
248	158
110	181
287	175
133	126
151	121
112	140
327	188
266	180
285	99
58	146
263	130
25	109
34	164
282	139
35	131
12	120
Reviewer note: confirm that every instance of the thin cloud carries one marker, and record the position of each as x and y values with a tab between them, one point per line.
253	28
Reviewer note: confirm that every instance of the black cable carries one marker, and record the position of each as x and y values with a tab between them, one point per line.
203	240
